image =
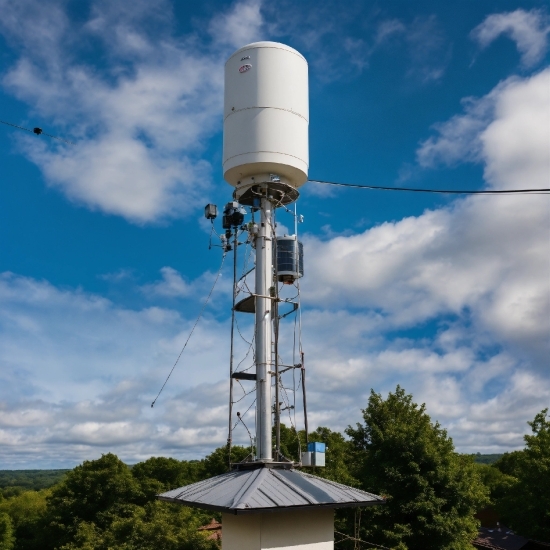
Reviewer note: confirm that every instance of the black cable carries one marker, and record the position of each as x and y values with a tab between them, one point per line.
37	131
192	330
242	422
441	191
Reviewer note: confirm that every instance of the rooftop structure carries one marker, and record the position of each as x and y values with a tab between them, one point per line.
268	489
266	502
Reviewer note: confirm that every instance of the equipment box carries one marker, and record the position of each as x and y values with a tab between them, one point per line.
316	447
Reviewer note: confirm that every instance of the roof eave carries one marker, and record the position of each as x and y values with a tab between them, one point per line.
274	509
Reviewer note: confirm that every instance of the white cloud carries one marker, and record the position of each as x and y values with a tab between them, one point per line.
427	48
172	284
459	138
478	271
506	130
484	257
336	49
528	29
388	28
80	371
141	120
240	25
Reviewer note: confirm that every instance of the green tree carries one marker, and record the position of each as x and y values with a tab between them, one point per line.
159	474
154	526
27	512
217	462
526	505
510	464
97	491
432	492
7	537
340	456
496	482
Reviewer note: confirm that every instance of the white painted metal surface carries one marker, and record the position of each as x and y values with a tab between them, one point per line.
264	355
296	530
266	115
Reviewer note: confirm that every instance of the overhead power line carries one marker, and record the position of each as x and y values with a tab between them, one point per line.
37	131
440	191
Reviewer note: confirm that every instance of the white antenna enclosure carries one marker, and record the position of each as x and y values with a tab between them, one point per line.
266	116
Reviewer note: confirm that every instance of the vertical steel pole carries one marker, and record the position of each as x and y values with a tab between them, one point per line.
306	427
264	307
231	357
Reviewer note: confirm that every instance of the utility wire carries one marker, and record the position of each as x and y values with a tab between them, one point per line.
37	131
441	191
358	540
192	330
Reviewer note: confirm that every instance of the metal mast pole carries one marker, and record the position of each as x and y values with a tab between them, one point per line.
264	307
231	357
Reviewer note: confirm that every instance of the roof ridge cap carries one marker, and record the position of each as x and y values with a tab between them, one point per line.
247	488
337	484
294	487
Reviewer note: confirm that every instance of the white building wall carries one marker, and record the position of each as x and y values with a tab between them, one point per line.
292	530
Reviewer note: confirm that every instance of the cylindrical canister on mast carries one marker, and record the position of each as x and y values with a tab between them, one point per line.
266	115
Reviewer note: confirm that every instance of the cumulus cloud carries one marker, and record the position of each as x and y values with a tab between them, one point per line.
172	284
241	25
335	49
528	29
77	369
476	271
483	255
506	130
141	119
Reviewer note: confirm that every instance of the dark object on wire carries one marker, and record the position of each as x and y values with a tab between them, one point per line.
37	131
443	191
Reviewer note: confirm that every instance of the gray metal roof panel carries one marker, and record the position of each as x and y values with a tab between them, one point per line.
268	489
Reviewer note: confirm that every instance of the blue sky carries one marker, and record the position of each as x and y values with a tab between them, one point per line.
104	259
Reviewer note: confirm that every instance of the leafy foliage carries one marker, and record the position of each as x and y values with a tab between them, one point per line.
153	526
525	506
13	482
486	459
27	512
7	538
217	462
432	492
97	491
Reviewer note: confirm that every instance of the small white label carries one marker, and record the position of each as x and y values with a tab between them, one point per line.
245	68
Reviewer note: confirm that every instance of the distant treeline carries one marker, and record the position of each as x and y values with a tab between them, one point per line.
432	492
29	480
34	480
486	459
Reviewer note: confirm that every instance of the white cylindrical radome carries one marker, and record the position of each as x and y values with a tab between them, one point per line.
266	115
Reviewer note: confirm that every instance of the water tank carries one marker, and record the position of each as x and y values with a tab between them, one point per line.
266	115
290	259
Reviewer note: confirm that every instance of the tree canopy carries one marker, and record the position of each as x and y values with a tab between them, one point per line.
525	505
397	451
432	492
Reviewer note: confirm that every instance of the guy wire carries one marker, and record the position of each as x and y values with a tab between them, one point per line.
192	330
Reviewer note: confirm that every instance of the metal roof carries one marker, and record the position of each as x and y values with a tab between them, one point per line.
268	489
499	539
